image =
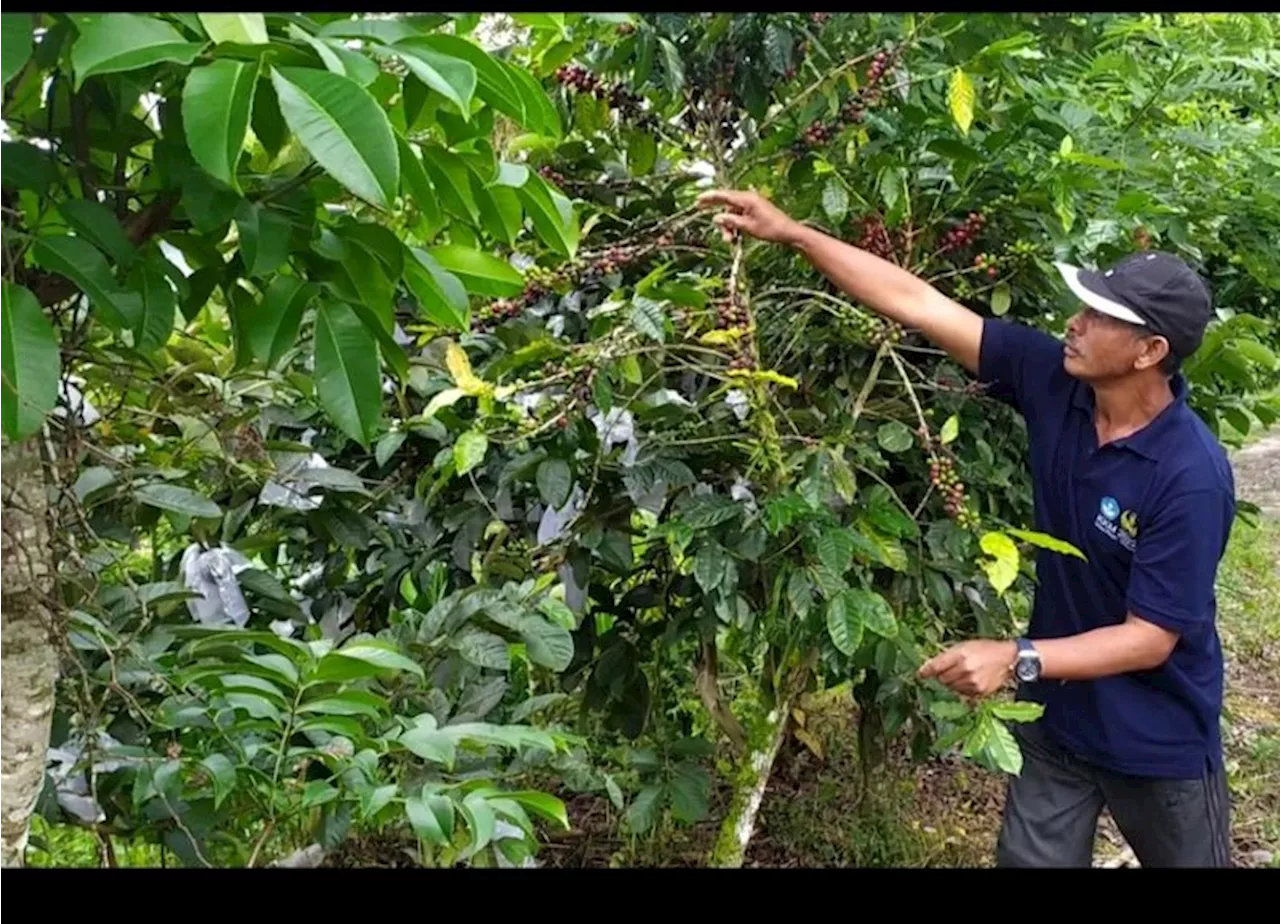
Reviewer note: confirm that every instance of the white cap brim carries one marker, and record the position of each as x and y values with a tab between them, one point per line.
1095	301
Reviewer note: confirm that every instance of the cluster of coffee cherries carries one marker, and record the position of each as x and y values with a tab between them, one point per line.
551	176
731	314
985	261
577	389
889	332
875	238
963	233
578	78
880	64
942	472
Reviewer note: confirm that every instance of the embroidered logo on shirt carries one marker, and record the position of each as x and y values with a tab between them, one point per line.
1126	533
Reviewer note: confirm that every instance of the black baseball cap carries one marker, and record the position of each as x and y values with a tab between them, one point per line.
1155	290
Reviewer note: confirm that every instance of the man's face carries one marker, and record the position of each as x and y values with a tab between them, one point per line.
1101	348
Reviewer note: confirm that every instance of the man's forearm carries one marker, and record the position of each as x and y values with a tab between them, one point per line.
893	292
1103	652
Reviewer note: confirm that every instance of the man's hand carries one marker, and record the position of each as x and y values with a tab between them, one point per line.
976	668
752	213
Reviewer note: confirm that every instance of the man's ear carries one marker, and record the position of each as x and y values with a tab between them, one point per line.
1154	350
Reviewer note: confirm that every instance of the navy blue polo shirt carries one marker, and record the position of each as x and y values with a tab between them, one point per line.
1152	512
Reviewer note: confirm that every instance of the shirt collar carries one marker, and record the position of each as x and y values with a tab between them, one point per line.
1147	441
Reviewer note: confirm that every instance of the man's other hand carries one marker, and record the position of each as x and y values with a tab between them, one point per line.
751	213
977	668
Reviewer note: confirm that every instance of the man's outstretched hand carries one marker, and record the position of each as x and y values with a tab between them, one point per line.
752	214
976	668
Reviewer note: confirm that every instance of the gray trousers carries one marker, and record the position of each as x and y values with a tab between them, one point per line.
1051	812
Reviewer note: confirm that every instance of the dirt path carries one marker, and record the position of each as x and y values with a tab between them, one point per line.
1257	470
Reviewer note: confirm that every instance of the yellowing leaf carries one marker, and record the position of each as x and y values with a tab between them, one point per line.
1002	568
768	375
442	399
950	429
460	368
961	99
721	337
1045	541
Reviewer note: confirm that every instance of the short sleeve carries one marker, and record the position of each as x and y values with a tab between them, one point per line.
1021	365
1171	580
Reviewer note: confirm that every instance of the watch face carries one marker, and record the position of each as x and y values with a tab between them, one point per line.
1028	669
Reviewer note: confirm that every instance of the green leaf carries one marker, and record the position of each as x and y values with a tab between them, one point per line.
1002	567
272	330
453	78
480	821
672	65
31	362
835	549
222	773
552	215
157	307
544	804
1003	748
374	655
178	499
874	611
373	802
1025	711
416	186
1045	541
950	430
16	38
1257	352
481	273
348	385
430	743
264	238
554	480
649	317
451	180
240	28
540	20
835	200
961	99
347	702
344	128
124	42
547	643
440	293
894	436
96	224
424	822
643	811
709	569
1001	299
690	788
844	623
217	100
84	265
484	649
777	48
470	450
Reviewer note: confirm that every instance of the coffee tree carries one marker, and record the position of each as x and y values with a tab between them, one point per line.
369	395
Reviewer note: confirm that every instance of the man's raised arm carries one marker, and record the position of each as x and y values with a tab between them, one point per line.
880	285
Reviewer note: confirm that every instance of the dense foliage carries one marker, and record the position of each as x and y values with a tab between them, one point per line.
418	454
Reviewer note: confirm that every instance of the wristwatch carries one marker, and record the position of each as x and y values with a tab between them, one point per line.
1027	667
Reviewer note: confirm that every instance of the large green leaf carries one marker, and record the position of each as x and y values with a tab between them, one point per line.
1002	567
125	42
453	78
82	263
541	115
451	178
346	371
844	623
494	84
216	103
157	307
548	644
273	329
554	480
552	215
30	362
94	222
15	43
241	28
874	611
264	238
177	499
481	273
1045	541
344	129
423	821
416	186
470	450
441	294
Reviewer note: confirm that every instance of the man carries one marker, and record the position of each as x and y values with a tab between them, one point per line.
1122	650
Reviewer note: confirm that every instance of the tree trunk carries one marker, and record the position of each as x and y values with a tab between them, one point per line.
28	663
